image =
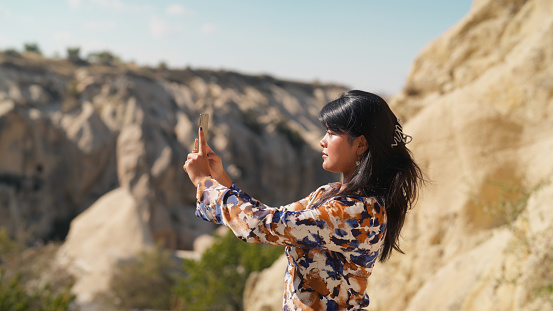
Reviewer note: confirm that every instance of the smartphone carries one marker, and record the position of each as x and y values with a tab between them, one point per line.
203	122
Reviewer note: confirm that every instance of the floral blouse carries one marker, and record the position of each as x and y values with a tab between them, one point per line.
331	249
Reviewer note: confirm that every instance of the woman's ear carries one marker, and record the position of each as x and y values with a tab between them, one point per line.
362	145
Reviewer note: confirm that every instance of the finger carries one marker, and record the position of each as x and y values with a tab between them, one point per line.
208	149
203	144
213	156
196	145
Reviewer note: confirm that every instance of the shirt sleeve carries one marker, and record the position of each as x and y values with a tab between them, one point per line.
340	224
299	205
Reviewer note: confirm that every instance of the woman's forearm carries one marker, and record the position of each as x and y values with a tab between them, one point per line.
223	179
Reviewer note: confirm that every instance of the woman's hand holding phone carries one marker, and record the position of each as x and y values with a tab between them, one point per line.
195	164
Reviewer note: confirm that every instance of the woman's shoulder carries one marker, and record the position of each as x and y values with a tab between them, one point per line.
324	189
360	201
348	199
331	186
355	198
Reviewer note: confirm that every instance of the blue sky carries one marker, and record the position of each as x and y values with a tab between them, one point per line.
363	44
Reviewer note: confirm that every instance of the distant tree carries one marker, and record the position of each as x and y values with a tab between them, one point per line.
12	53
73	54
32	48
103	57
162	65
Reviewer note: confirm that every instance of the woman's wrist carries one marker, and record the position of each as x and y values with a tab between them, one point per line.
198	180
223	179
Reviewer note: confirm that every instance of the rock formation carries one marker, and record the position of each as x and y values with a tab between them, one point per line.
479	104
106	144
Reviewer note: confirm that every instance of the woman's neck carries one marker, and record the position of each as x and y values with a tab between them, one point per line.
346	178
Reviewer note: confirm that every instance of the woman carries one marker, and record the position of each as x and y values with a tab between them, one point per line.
335	235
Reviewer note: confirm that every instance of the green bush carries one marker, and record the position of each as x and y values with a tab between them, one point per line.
251	120
8	246
144	282
14	296
16	270
162	65
501	201
73	54
294	137
157	280
103	57
217	281
11	53
32	48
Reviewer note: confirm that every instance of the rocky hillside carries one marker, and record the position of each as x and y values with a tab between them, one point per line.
479	105
70	134
107	142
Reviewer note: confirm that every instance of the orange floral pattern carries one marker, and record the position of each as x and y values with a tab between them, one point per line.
331	248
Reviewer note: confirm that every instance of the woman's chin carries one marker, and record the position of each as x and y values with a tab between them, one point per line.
329	168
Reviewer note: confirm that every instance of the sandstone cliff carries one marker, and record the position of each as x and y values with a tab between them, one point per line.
106	144
479	104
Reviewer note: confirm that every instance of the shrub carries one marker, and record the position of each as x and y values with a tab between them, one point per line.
12	53
542	286
18	270
217	281
294	137
512	201
32	48
14	296
500	202
144	282
251	120
104	57
162	65
73	54
7	245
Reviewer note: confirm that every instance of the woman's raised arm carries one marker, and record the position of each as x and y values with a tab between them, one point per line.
340	224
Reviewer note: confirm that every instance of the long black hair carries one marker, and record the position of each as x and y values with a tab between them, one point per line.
387	169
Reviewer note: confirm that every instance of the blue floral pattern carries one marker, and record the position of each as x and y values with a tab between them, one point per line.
331	248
